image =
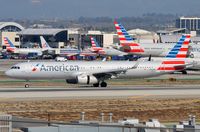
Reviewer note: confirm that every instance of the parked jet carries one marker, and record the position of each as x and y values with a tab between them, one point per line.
73	51
179	52
109	51
128	45
11	48
66	51
94	72
45	46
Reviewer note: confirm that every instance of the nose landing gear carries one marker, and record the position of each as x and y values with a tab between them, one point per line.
26	85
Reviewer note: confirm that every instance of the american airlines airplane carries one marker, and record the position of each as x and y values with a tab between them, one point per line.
109	51
11	48
66	51
128	45
179	52
94	72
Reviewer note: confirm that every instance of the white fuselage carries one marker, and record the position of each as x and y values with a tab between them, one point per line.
70	70
162	49
107	51
156	50
26	51
159	50
113	52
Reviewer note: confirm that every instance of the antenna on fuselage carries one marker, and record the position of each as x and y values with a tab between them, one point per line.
149	58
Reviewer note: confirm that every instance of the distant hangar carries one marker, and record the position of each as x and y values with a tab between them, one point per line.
56	38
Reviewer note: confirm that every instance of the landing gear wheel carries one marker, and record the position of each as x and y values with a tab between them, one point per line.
96	85
26	86
184	72
103	84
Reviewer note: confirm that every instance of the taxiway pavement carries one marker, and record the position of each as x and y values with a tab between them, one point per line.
109	92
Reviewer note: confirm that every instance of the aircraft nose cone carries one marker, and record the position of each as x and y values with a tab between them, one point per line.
8	73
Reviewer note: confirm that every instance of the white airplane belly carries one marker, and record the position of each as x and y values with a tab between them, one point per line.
142	73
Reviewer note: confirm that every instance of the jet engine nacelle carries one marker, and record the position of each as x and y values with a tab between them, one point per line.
83	79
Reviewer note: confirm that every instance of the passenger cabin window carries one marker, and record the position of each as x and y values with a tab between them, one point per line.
15	67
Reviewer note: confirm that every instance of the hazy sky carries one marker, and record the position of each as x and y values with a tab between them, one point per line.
34	9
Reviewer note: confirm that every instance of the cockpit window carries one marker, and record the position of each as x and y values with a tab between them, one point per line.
15	67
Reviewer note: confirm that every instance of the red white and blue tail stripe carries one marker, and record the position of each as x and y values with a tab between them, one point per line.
9	45
126	40
94	43
96	47
180	49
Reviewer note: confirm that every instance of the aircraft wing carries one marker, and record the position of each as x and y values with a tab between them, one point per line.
108	73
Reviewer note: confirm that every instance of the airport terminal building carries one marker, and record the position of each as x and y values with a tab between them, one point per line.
60	38
10	30
189	23
57	38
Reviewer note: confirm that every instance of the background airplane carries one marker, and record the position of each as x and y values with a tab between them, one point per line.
45	46
65	51
25	51
109	51
128	45
180	52
94	72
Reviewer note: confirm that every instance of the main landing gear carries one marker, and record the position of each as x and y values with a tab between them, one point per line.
184	72
27	84
102	84
96	85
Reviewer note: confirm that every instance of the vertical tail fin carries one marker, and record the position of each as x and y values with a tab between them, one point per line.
126	40
180	49
94	42
9	45
44	44
95	45
123	35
